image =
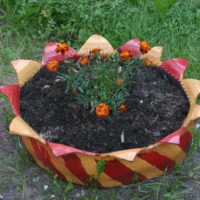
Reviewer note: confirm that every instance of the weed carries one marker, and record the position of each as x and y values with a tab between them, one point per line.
61	189
198	100
7	111
195	142
135	178
100	167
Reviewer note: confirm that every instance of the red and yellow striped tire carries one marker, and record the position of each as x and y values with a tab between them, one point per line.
79	167
121	167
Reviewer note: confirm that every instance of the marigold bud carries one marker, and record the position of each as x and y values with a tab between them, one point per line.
95	51
105	56
74	91
119	82
147	62
123	107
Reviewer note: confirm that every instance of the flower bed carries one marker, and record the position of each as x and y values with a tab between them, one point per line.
135	103
112	123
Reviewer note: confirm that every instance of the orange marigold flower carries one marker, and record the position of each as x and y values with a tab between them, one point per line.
84	60
126	55
95	51
53	66
119	82
62	48
144	46
123	107
102	110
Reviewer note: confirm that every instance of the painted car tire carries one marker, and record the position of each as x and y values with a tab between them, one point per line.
121	167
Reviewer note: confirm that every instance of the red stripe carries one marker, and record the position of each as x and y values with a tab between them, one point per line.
176	67
119	172
73	163
158	160
186	141
44	157
51	54
132	45
173	138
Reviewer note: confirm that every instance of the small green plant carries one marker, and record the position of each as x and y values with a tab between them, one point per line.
100	167
135	178
100	81
60	188
198	100
96	80
7	111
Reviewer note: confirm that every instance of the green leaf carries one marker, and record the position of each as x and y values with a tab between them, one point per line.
100	167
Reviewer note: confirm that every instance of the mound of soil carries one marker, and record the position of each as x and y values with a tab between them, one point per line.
157	106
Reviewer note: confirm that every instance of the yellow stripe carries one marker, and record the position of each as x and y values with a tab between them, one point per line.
25	69
172	151
59	164
142	167
89	165
28	145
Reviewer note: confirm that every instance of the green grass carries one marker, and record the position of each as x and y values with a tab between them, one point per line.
26	26
15	45
173	24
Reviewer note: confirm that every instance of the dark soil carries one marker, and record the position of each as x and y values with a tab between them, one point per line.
157	106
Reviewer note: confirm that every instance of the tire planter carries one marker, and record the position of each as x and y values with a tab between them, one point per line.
78	166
